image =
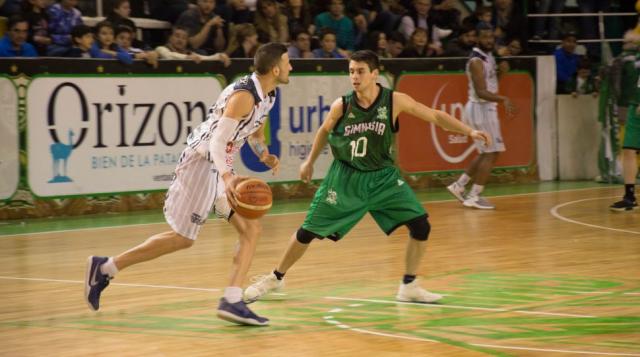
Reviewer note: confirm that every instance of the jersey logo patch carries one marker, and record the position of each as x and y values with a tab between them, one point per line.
351	116
332	197
400	182
382	113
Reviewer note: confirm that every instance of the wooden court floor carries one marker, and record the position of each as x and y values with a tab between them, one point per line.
550	273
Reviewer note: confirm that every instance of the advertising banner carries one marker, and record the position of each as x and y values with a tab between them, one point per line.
301	107
9	151
111	134
423	147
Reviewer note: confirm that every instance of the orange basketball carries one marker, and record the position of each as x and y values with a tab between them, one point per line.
254	198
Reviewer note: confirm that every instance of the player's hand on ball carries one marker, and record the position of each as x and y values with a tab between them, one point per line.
272	162
230	183
306	172
481	135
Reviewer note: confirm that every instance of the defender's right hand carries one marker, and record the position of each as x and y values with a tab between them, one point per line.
230	183
306	172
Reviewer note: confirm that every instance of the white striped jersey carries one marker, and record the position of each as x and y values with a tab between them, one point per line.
490	74
199	138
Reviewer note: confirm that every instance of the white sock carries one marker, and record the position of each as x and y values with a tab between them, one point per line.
463	180
109	268
233	294
476	190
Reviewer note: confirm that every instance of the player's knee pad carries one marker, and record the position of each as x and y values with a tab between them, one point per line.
419	229
304	236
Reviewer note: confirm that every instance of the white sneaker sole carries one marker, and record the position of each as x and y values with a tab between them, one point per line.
429	301
455	193
473	205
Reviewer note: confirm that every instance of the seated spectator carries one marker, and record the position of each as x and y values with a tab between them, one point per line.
418	45
270	24
328	48
124	39
63	16
377	42
245	41
178	49
120	16
463	44
82	38
298	17
105	46
14	43
34	12
566	61
342	26
301	45
508	21
418	16
207	30
395	44
583	81
513	47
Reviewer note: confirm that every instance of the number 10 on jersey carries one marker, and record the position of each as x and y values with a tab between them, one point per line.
358	147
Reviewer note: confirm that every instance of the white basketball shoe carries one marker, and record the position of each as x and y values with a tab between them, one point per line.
264	285
412	292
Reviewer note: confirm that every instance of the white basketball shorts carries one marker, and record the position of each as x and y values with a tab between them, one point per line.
197	188
484	116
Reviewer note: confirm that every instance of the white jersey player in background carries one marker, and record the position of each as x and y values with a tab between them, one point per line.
481	113
204	178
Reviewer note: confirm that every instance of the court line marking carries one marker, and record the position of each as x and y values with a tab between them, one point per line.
554	212
119	284
459	307
555	350
220	222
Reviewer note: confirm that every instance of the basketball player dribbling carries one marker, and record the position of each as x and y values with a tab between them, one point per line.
204	179
363	178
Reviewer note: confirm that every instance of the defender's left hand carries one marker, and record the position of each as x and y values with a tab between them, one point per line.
481	135
272	162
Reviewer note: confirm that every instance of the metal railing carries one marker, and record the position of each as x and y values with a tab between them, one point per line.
600	15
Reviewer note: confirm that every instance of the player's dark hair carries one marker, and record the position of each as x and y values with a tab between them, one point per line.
267	56
367	56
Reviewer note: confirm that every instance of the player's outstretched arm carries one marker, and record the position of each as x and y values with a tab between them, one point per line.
403	103
259	147
320	140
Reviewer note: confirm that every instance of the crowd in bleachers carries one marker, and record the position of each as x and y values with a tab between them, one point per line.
224	29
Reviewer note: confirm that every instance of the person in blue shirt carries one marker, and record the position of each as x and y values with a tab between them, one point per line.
566	61
63	17
14	43
105	46
328	47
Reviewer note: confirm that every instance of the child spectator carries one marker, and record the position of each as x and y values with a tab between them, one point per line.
582	82
34	12
178	49
14	43
124	39
82	37
566	61
328	47
63	16
105	46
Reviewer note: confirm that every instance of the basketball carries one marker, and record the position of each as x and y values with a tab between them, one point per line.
254	198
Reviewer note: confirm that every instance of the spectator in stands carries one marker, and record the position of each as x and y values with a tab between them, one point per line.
9	8
341	25
298	17
270	24
583	81
395	44
207	29
418	45
484	15
566	61
124	39
82	38
513	47
169	10
328	45
119	16
463	44
552	30
445	15
105	46
241	11
418	17
63	16
245	41
508	21
377	42
34	12
178	49
14	43
301	45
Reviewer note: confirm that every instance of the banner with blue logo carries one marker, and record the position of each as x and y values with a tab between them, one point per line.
301	107
9	150
90	135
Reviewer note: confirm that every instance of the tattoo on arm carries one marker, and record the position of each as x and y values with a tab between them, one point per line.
258	148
